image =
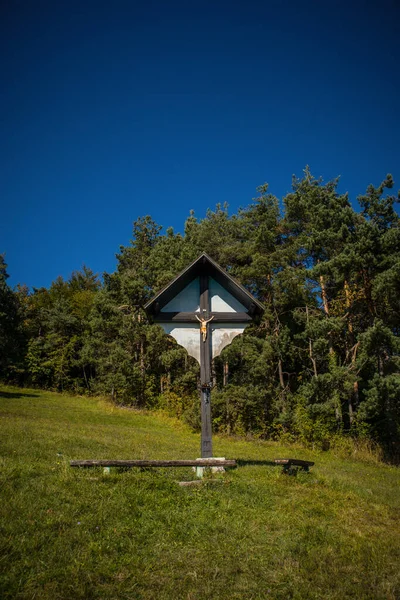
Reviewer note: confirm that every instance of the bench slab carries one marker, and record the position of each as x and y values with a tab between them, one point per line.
207	462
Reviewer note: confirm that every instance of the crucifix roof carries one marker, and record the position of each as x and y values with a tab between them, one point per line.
158	306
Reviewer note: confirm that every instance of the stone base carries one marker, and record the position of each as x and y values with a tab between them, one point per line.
200	470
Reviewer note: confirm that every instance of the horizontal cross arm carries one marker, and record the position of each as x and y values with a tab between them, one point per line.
217	317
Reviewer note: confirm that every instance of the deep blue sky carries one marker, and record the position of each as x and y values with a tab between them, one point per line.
119	109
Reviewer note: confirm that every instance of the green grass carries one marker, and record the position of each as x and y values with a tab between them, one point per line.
74	533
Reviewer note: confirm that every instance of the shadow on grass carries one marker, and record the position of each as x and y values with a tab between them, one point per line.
17	395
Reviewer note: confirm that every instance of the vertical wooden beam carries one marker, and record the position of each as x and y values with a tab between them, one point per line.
205	372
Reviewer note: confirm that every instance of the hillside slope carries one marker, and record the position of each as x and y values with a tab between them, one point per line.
70	533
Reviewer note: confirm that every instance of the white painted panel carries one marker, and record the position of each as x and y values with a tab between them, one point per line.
186	335
223	334
188	300
222	300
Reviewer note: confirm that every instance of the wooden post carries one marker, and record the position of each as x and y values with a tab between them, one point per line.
205	372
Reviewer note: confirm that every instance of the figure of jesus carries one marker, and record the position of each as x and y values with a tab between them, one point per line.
203	326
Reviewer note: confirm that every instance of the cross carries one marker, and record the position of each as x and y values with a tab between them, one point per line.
182	293
205	334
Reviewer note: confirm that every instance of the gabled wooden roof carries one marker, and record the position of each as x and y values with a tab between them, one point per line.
204	265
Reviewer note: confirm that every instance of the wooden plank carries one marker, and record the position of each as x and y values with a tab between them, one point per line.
231	317
209	462
218	317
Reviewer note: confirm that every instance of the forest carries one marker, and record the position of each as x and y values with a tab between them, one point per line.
321	365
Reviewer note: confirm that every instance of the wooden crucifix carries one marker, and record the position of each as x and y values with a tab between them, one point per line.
204	308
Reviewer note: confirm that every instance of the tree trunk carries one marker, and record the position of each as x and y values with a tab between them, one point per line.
354	395
213	374
326	306
86	379
282	384
380	366
310	349
324	295
141	359
280	368
368	294
348	304
338	415
353	398
350	406
228	418
142	364
225	373
281	380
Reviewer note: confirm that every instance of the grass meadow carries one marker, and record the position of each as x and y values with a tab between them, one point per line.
250	533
